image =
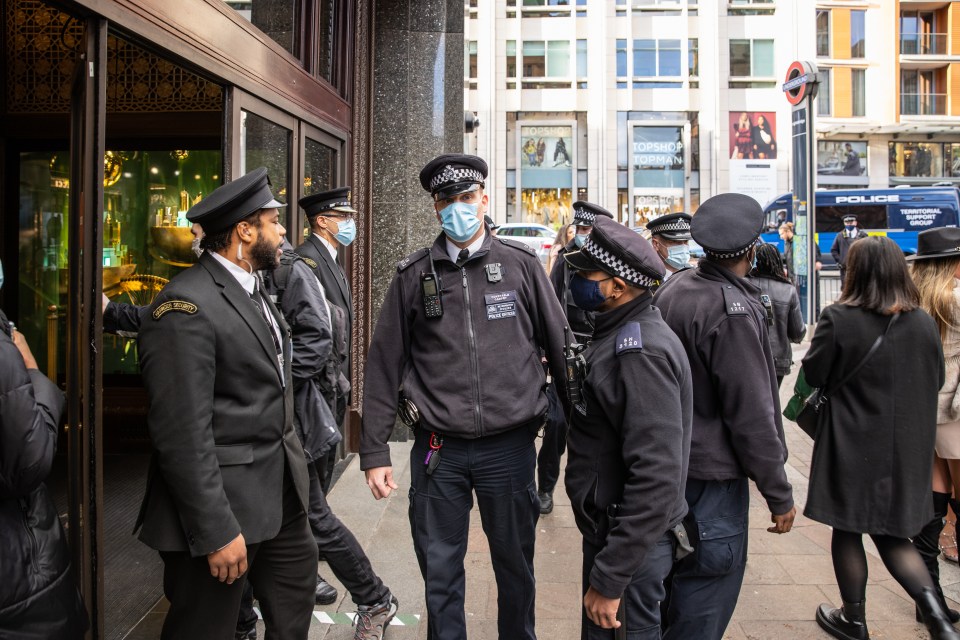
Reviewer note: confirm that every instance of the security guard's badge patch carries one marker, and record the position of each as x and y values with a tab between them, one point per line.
501	305
628	338
310	262
174	305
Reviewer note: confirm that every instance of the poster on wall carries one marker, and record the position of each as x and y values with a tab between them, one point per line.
546	174
549	148
754	178
842	162
753	135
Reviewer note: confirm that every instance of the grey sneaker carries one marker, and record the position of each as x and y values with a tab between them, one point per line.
371	621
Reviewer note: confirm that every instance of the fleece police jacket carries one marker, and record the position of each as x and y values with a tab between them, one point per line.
475	371
629	441
737	429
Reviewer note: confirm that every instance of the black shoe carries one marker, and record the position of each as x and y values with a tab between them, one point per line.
546	501
325	593
935	616
846	623
952	614
246	634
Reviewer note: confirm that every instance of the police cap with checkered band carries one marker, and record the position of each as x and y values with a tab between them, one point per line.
452	174
618	251
727	225
673	226
230	203
586	213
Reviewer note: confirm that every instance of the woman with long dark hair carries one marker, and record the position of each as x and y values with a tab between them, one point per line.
873	452
935	270
784	307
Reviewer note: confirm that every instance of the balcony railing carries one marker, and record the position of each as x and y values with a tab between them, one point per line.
923	44
923	104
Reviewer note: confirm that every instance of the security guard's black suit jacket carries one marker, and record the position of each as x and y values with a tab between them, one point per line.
476	370
629	441
335	285
220	419
737	429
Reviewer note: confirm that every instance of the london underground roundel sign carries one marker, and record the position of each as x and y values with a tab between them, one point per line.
801	82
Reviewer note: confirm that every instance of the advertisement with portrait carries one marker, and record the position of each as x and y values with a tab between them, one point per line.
546	173
842	162
753	135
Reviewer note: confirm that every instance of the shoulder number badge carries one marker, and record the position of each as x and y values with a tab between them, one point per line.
174	305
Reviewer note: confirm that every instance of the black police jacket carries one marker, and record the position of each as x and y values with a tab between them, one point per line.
476	370
737	429
579	321
629	441
38	595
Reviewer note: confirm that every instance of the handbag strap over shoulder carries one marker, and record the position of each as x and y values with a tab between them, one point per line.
873	350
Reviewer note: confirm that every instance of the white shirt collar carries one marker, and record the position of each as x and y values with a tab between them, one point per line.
332	249
454	251
247	280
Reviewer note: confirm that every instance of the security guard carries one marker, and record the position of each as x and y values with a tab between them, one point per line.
460	336
227	490
580	321
737	432
629	435
332	226
670	237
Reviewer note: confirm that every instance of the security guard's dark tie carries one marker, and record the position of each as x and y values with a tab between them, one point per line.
462	256
257	298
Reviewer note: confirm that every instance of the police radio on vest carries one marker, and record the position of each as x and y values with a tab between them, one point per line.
868	199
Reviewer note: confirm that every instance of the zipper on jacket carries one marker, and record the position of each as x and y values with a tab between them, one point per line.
475	379
34	545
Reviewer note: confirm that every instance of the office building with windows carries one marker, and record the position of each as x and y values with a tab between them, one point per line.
650	106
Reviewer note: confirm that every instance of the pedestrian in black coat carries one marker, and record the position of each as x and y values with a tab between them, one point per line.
873	450
770	276
39	599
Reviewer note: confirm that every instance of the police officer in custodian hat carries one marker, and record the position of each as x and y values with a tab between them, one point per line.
737	431
670	237
629	436
460	335
227	490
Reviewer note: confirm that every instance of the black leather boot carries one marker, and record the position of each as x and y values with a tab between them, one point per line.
927	543
935	616
846	623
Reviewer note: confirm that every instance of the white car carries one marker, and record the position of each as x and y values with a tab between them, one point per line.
538	237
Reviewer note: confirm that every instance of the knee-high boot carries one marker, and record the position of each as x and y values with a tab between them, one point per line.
927	543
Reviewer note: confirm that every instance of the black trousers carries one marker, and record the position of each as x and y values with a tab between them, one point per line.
283	571
499	469
642	597
554	443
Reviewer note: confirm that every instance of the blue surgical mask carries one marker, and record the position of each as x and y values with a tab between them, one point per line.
580	239
346	231
753	260
678	256
586	293
459	221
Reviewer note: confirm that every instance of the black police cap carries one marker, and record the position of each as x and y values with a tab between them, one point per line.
585	213
619	251
727	225
230	203
452	174
328	202
673	226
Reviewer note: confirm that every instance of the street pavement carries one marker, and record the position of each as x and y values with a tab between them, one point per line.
787	576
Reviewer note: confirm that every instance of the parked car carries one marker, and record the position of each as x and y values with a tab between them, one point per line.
539	237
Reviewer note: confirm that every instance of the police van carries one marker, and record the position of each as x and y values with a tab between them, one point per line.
898	213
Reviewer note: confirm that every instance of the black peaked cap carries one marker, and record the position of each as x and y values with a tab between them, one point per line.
333	201
230	203
585	214
619	251
453	173
673	226
727	225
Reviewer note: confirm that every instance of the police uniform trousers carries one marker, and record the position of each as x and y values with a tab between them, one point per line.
499	469
283	571
704	586
554	443
642	597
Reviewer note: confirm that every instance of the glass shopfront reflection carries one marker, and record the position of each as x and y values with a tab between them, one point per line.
265	144
146	239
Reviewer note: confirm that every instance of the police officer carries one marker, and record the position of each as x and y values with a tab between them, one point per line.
580	322
460	335
332	225
629	435
737	432
670	237
842	242
227	491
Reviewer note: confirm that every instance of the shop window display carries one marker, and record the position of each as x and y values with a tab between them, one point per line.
916	159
